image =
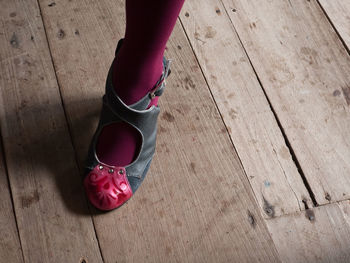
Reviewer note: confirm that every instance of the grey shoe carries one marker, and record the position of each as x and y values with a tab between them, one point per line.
108	187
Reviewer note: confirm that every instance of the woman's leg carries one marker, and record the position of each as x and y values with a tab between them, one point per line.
137	68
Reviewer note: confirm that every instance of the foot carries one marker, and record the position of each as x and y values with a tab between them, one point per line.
117	136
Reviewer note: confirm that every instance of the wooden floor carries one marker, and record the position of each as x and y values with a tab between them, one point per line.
253	149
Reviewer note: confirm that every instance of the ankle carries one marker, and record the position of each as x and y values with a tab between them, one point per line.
133	79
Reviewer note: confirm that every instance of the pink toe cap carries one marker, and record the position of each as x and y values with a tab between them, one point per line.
107	187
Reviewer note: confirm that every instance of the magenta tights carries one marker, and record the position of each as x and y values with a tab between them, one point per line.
138	67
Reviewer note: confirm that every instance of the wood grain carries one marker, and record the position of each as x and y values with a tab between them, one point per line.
304	69
339	15
250	122
52	215
196	204
10	246
324	238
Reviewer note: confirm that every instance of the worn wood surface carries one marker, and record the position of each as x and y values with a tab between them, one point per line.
244	108
10	246
339	14
196	204
315	235
304	69
53	219
201	201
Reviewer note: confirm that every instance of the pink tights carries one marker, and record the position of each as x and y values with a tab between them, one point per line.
138	66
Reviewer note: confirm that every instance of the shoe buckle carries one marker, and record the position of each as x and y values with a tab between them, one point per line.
152	95
162	81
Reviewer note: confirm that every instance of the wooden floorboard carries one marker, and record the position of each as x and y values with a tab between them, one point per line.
338	13
196	204
251	124
304	70
256	111
10	246
51	210
317	235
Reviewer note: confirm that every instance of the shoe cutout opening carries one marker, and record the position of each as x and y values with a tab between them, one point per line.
118	144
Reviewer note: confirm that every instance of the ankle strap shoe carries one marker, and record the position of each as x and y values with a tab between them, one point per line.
107	186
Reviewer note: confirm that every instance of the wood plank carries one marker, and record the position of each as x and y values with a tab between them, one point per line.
339	14
244	108
10	246
304	69
325	238
196	204
52	215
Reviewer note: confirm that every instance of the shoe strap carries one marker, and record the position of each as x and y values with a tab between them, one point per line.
161	83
